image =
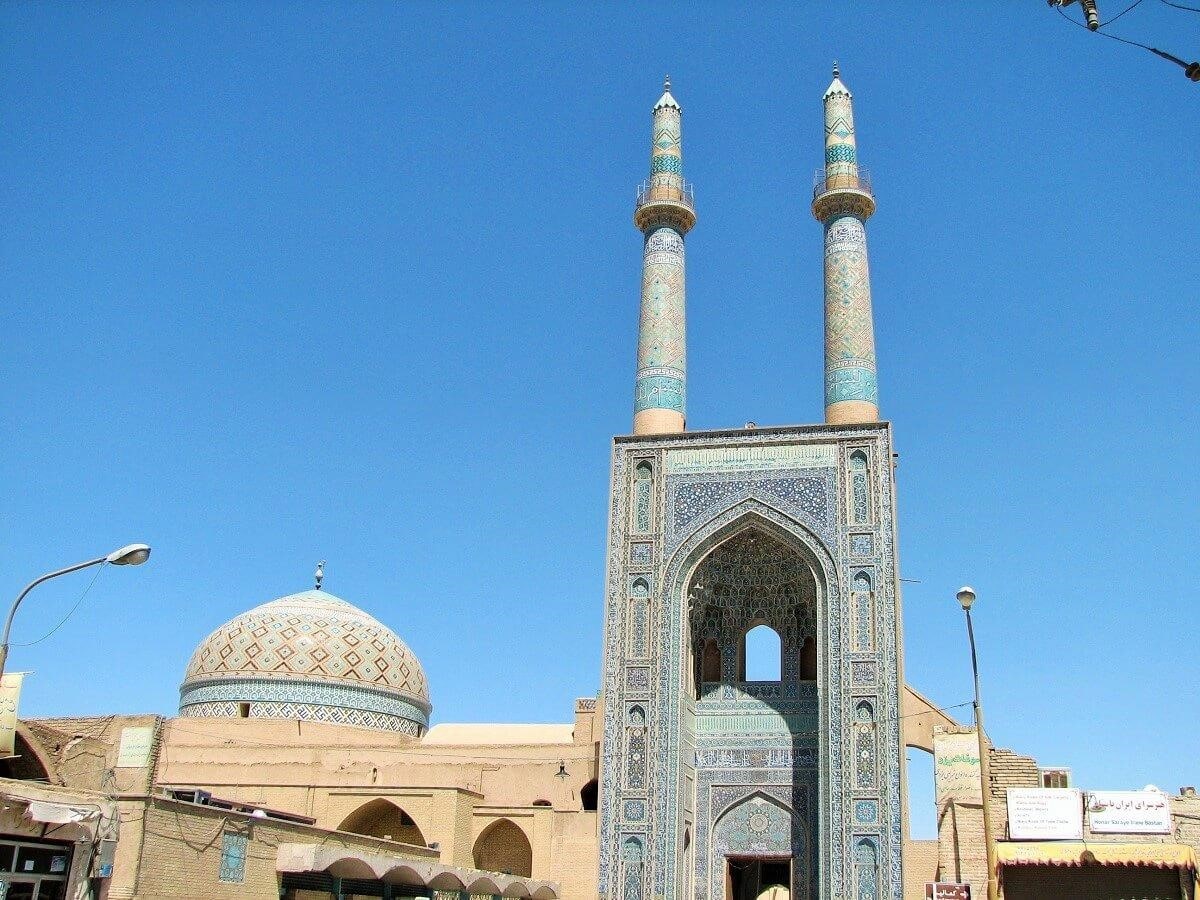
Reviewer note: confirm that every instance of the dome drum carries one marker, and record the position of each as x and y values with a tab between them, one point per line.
308	656
340	704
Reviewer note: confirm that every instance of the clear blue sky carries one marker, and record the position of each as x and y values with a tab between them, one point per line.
359	282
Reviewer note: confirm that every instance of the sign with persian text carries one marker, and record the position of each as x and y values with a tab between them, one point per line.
136	743
755	458
1045	814
956	767
1129	812
10	698
946	890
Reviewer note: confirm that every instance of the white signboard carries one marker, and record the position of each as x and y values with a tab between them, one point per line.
1045	814
136	743
1129	812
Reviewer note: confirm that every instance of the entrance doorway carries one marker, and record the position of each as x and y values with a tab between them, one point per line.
758	878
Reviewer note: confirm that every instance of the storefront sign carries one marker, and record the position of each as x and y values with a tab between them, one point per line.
956	767
946	890
135	747
1129	812
1045	814
10	696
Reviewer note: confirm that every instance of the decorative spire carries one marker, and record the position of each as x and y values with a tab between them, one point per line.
836	73
664	214
319	575
842	202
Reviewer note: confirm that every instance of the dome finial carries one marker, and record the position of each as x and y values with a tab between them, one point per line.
319	575
667	83
836	72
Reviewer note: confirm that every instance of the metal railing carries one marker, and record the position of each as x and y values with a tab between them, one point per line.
682	193
823	183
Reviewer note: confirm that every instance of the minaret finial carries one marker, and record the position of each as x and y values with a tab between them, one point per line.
836	72
667	83
319	575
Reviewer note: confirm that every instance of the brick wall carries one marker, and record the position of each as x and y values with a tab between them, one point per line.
170	849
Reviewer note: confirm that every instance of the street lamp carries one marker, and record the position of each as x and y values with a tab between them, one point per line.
129	555
966	596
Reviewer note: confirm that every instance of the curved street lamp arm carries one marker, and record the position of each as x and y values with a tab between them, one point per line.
29	587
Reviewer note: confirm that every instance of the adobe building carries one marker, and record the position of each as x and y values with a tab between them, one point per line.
304	764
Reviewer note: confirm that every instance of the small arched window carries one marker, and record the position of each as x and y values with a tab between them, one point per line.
588	795
643	493
859	493
866	869
632	854
864	611
864	744
762	654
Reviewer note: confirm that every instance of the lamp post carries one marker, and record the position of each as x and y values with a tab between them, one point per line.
966	596
131	555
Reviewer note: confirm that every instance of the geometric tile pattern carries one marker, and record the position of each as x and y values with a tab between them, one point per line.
849	334
662	357
307	712
310	642
827	750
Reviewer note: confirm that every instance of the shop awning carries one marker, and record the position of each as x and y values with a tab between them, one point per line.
1078	853
345	863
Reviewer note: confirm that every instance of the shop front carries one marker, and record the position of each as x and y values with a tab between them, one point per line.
34	870
1077	870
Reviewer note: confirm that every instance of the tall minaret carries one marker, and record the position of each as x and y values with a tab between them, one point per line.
664	215
842	202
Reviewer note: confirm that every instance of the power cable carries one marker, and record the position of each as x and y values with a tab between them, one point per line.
70	613
1132	6
1195	9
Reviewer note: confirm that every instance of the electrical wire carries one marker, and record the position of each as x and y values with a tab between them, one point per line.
1195	9
70	613
1103	33
1132	6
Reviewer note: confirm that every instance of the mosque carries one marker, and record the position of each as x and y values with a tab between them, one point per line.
303	764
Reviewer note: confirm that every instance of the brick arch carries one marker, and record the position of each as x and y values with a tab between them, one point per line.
503	847
31	760
382	818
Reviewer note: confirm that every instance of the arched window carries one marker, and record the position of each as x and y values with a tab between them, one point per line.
866	869
635	748
643	491
383	819
762	654
864	744
859	503
712	661
632	854
863	601
588	795
504	848
808	660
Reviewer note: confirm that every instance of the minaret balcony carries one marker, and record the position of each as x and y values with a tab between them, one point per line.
842	193
824	182
671	203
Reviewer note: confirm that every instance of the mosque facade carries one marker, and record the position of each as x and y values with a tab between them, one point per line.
304	763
